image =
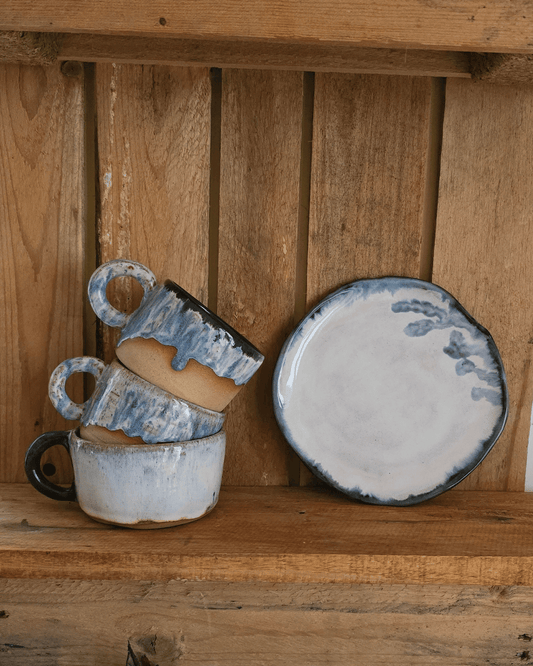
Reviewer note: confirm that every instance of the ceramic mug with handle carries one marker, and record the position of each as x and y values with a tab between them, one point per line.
174	341
138	486
124	407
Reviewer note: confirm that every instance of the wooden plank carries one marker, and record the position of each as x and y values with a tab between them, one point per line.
259	199
45	48
368	181
303	535
153	128
85	623
258	55
370	144
42	208
482	256
464	26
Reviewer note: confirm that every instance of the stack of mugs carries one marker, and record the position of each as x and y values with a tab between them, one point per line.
150	449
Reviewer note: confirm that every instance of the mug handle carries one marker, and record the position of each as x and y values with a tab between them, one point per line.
56	386
103	275
32	466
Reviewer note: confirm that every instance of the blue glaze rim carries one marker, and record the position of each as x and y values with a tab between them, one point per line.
194	332
458	475
191	303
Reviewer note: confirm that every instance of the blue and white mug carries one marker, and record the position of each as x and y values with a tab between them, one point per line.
124	406
174	341
132	485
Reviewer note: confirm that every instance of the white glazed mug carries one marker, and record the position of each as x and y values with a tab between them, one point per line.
175	342
138	486
124	407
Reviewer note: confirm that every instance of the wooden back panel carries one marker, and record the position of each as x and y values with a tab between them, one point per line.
42	216
259	198
260	195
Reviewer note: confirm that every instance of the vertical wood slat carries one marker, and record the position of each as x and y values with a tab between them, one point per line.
368	180
153	151
42	202
483	245
370	144
259	199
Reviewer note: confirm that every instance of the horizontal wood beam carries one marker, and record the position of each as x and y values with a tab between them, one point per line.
43	48
468	25
261	55
281	535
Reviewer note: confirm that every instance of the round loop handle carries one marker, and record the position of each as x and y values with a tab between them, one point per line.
32	466
103	275
56	387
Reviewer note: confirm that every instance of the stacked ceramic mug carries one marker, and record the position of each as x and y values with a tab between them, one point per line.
150	448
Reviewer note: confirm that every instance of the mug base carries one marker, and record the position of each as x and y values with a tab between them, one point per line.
151	524
196	383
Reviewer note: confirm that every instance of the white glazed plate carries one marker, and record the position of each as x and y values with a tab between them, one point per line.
390	391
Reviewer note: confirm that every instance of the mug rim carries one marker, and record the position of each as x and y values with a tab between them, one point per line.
194	304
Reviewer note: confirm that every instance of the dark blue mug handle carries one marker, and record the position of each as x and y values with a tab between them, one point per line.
32	466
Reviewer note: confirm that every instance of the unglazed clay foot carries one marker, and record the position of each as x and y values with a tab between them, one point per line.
100	435
196	383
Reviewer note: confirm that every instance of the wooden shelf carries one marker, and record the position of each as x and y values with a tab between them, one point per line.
280	535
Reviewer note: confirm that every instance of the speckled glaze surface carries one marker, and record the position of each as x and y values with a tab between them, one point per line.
148	486
390	391
137	486
123	401
173	317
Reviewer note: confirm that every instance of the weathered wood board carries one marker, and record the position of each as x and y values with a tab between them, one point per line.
403	24
42	212
250	55
370	148
258	232
483	245
90	623
153	128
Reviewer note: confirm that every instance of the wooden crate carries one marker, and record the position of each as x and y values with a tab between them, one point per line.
260	186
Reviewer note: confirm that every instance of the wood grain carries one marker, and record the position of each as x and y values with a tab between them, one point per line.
259	55
259	199
292	535
84	623
483	240
30	48
370	142
153	127
502	68
458	26
368	181
42	208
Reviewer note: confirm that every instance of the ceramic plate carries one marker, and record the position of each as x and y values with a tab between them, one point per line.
390	391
